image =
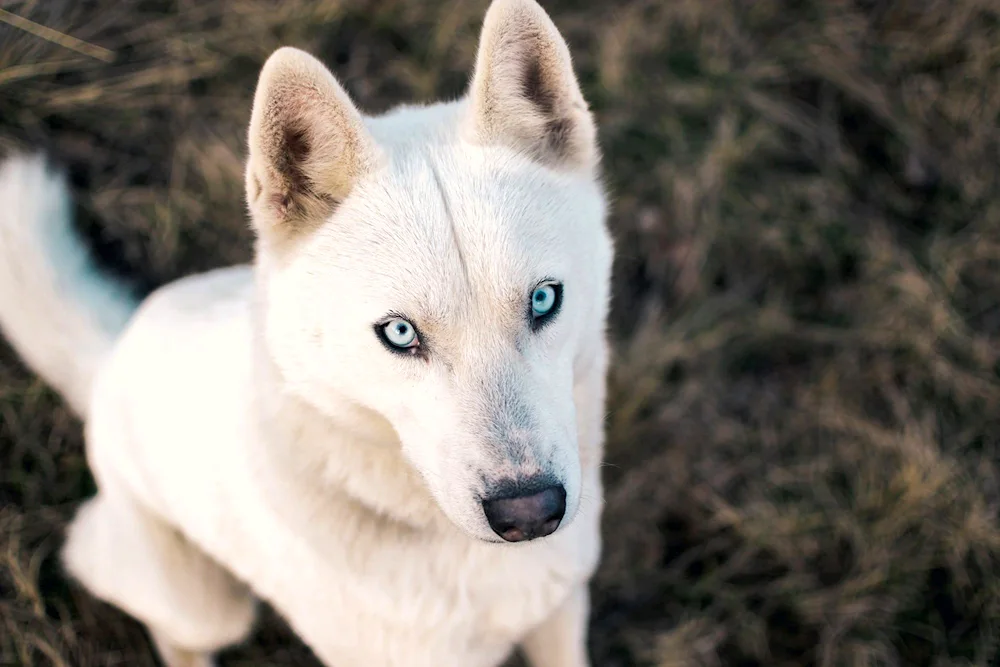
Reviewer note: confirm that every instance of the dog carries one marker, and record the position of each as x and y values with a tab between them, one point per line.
389	427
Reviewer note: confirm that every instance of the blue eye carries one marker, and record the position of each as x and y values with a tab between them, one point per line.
543	299
399	333
545	302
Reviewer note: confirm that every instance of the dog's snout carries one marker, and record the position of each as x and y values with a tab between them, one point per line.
527	516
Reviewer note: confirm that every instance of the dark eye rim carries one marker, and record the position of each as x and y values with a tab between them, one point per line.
539	321
415	350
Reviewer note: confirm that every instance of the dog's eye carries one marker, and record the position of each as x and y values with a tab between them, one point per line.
399	334
542	300
545	302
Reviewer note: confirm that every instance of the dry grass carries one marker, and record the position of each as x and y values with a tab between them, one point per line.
805	405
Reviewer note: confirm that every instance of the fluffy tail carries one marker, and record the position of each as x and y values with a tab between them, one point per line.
57	309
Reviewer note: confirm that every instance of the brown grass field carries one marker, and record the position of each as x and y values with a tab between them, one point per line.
804	412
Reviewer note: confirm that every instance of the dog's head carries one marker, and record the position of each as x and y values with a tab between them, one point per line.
446	266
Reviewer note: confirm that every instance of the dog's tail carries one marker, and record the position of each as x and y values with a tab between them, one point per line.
59	312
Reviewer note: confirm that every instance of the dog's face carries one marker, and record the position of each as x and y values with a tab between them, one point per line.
446	267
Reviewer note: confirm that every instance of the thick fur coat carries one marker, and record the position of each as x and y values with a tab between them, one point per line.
390	426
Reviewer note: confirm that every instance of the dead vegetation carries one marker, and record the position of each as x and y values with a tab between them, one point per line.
805	405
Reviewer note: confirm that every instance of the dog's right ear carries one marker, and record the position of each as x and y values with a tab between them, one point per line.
308	145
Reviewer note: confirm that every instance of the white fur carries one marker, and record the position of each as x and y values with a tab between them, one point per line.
56	309
252	438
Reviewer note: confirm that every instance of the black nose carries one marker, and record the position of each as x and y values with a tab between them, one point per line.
525	517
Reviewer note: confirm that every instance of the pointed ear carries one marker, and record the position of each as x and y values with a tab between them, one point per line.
524	93
308	145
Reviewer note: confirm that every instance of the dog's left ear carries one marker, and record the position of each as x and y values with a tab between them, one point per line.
524	93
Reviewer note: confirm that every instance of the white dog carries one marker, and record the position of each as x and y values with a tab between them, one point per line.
369	427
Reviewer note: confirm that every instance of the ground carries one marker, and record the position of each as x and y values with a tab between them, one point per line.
805	401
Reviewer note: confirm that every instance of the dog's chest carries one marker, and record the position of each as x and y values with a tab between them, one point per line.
448	594
512	592
487	593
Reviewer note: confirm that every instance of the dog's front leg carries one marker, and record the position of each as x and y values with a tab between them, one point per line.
561	640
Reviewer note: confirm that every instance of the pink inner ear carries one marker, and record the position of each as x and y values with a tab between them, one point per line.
280	202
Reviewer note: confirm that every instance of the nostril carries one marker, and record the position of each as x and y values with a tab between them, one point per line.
553	503
517	518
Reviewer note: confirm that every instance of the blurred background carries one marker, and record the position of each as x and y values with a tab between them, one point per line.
805	400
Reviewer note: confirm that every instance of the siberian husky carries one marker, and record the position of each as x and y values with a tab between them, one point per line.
390	426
